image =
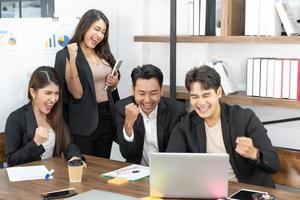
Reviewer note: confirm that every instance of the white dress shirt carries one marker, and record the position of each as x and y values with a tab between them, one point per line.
215	144
150	138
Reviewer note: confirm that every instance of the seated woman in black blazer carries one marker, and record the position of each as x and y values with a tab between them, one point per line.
37	130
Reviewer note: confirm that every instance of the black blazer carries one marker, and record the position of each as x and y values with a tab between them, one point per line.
81	114
168	113
19	133
189	136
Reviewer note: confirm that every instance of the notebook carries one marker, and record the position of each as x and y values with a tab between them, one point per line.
95	194
189	175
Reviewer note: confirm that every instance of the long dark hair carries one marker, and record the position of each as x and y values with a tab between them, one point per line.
40	78
102	49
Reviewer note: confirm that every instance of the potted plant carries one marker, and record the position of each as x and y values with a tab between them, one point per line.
218	28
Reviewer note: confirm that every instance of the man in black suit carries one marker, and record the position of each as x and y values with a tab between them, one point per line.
145	120
215	127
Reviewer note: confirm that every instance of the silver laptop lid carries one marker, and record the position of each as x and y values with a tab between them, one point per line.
189	175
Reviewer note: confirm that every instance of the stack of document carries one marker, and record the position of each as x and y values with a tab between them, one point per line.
132	172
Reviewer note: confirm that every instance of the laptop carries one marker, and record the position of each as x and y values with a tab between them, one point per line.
95	194
189	175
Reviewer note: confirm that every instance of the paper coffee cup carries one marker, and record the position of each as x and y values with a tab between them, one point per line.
75	169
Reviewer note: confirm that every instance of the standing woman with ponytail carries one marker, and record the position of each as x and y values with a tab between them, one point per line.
37	130
84	67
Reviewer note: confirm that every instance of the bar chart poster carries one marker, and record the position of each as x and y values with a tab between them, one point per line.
58	34
56	40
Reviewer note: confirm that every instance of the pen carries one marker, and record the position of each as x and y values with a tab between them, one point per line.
126	169
129	172
47	176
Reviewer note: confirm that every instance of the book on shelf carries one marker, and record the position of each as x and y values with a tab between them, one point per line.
196	15
294	6
210	18
269	21
249	78
295	80
256	77
286	78
270	77
263	77
201	17
261	18
273	23
286	16
252	17
262	21
278	78
191	17
273	78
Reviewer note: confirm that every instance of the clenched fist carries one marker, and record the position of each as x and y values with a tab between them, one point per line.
131	113
245	147
41	135
72	48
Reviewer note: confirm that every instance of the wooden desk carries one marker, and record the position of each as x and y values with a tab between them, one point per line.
91	179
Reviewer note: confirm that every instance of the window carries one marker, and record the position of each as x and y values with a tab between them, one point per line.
26	8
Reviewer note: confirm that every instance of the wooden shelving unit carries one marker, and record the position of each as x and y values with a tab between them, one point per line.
232	31
240	98
220	39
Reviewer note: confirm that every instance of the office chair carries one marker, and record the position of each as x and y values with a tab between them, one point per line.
2	149
289	173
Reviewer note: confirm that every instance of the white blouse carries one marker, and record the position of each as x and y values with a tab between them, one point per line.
49	145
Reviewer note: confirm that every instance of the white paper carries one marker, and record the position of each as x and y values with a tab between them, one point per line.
131	172
27	173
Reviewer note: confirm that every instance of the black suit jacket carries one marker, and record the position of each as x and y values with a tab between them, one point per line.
19	133
81	114
168	113
189	136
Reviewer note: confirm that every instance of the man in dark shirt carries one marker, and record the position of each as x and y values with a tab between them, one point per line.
216	127
145	120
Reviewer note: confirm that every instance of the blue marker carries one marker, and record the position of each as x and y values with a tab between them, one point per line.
47	176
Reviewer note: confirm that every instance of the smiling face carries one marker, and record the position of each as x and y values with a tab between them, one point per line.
205	102
147	94
95	34
45	98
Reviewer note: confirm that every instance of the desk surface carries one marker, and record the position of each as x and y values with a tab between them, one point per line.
91	179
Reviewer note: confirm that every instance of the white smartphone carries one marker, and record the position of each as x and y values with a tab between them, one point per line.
116	68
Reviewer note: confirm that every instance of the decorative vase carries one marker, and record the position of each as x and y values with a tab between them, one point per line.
218	31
